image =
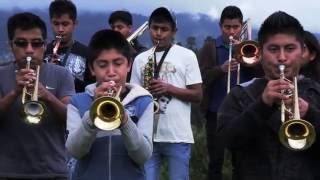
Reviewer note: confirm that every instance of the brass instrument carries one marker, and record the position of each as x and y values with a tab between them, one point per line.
246	52
229	66
138	32
55	56
148	75
295	133
33	110
106	112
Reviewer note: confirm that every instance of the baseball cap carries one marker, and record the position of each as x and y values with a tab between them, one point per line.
163	14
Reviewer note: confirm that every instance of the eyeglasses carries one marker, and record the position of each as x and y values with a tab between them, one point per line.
24	44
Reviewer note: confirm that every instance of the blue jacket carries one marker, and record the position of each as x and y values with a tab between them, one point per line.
117	154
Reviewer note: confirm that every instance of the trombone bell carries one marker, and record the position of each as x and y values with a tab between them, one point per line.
247	53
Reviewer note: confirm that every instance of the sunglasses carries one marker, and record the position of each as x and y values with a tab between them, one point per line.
24	44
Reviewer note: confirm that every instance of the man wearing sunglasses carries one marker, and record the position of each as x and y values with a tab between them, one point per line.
32	151
70	53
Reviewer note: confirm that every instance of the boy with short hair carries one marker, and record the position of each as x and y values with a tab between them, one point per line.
71	53
121	21
177	75
32	151
249	119
120	153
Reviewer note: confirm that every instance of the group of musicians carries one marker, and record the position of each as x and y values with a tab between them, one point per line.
116	110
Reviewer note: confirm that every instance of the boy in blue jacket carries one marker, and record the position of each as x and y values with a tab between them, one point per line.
116	154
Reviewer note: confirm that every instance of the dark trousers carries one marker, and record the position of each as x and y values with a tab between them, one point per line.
215	148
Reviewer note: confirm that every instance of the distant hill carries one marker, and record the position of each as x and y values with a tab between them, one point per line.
198	26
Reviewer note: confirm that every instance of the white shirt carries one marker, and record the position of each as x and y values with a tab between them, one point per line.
180	68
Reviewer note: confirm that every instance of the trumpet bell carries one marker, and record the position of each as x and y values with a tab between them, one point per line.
33	112
247	53
106	113
297	134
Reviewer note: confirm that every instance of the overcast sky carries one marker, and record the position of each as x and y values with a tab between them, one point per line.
307	11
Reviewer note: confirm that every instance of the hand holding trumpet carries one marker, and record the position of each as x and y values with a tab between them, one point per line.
105	89
107	112
274	91
281	89
24	77
27	77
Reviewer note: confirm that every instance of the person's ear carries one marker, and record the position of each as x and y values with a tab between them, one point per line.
129	64
130	28
313	55
91	69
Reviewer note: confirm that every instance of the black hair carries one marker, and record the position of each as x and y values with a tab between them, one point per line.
108	39
123	16
161	15
25	21
312	68
312	43
231	12
280	22
60	7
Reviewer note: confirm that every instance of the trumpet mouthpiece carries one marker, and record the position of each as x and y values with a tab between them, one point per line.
112	83
28	58
281	67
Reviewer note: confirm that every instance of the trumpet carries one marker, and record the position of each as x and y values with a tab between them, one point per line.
55	57
138	32
295	133
148	75
33	110
107	111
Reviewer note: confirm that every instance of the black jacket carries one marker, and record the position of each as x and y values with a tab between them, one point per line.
250	130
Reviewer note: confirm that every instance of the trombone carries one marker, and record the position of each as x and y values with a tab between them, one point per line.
138	32
106	112
246	52
229	66
33	110
295	133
